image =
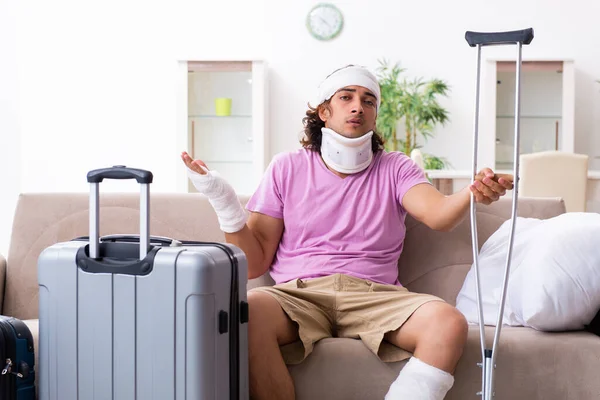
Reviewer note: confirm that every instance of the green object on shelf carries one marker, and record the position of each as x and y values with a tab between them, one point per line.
223	106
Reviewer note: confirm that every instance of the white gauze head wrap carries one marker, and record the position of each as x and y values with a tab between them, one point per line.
351	75
343	154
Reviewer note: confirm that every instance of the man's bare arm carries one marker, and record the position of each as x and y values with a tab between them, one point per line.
444	213
427	205
259	240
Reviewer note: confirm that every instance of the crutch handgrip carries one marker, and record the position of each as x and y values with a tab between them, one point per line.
524	36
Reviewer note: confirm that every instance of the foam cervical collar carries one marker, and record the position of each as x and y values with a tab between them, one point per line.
346	155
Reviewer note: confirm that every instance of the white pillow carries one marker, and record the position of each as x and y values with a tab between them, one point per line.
492	264
557	286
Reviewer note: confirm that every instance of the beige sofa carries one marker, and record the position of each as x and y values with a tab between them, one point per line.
531	364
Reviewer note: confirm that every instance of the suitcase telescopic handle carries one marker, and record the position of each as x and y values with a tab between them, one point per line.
119	172
144	178
523	36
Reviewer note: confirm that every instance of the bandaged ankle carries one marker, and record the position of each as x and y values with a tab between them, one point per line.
420	381
221	195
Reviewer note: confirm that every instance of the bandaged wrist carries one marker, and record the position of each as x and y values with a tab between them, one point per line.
221	195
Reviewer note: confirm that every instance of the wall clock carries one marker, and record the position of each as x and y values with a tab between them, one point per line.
324	21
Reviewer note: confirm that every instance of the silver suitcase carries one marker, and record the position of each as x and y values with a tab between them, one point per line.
129	317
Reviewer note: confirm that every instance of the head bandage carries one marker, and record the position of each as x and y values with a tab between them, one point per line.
352	75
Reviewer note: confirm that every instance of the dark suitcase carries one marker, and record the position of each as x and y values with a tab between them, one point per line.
17	381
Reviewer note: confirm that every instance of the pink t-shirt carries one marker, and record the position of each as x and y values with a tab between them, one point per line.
353	226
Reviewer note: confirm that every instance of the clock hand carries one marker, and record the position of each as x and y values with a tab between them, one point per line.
325	22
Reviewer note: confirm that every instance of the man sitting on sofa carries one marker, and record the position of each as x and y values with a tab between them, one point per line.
328	222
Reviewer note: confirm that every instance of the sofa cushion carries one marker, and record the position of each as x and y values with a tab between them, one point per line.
530	365
492	268
557	285
437	262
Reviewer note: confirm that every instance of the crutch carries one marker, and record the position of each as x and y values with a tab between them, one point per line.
479	39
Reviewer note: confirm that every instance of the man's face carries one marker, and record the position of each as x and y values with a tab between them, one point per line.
352	111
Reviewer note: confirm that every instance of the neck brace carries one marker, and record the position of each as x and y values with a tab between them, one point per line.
346	155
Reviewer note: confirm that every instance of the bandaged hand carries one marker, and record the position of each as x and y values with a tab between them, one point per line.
221	195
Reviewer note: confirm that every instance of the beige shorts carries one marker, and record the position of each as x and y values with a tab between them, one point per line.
346	307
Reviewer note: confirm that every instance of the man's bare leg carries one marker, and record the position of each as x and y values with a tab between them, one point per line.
268	328
436	335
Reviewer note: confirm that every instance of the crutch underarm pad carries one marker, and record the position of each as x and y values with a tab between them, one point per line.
524	36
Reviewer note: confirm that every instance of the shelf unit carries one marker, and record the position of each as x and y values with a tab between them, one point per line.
547	109
235	145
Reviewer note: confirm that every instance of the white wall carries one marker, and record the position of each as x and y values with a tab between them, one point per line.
96	86
10	147
427	37
96	80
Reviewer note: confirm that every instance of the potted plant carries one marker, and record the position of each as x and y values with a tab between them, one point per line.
416	103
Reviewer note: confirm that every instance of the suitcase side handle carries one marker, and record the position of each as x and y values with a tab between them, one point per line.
161	240
119	172
523	36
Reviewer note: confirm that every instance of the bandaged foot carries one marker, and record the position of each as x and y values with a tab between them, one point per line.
221	195
420	381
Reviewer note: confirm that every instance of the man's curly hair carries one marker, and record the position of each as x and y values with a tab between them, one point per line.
313	135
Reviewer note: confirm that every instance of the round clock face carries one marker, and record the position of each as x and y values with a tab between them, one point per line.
324	21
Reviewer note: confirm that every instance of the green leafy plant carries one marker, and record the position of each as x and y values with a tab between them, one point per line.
435	162
415	102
